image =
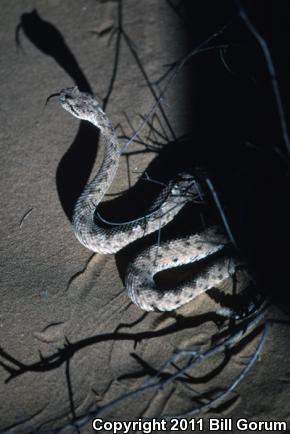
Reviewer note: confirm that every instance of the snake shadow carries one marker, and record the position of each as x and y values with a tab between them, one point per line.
76	164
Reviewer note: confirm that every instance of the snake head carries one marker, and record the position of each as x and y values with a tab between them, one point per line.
82	105
187	186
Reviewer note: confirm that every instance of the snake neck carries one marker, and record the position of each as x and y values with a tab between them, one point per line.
83	217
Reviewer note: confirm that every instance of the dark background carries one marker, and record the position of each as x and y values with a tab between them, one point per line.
238	128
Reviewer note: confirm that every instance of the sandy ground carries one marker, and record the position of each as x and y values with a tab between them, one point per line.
55	294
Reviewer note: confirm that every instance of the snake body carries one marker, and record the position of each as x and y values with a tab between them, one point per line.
139	281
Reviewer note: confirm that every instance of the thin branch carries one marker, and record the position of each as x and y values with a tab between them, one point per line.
223	216
271	68
133	221
154	383
173	75
224	394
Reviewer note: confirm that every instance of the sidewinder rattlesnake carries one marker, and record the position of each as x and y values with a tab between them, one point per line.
139	280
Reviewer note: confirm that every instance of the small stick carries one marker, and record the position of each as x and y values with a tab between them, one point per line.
25	216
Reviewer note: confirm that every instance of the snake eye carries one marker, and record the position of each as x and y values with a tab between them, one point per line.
63	97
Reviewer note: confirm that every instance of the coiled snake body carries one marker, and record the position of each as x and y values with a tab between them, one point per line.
139	281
